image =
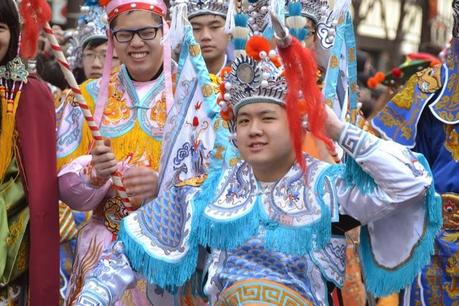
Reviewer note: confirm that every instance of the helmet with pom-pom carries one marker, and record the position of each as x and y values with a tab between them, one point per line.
92	25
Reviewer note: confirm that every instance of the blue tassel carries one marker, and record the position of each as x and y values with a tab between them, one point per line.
294	9
355	176
435	209
239	43
299	241
91	3
241	20
156	270
299	33
230	234
380	281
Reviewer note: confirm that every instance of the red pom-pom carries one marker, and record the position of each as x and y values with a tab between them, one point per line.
379	76
227	115
255	45
396	72
224	72
104	2
372	83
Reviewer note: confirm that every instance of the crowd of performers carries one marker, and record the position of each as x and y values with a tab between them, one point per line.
222	153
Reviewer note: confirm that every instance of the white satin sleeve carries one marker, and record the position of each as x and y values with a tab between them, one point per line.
399	178
389	189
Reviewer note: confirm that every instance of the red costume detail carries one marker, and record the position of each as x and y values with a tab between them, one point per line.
35	124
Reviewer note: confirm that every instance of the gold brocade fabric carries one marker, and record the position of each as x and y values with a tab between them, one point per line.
14	240
133	147
450	204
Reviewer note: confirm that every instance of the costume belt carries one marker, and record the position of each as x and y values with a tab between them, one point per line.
450	211
260	292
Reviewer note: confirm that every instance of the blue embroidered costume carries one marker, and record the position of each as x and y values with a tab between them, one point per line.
272	242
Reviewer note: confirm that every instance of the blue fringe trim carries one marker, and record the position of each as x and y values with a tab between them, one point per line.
380	281
241	20
355	176
289	240
299	241
231	234
156	270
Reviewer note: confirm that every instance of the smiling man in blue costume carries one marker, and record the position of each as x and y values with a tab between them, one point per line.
269	219
425	116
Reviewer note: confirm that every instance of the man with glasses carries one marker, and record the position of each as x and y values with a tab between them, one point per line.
130	106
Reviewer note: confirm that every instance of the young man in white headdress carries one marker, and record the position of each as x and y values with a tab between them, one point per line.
208	19
269	219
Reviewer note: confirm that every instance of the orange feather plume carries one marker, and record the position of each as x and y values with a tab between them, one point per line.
255	45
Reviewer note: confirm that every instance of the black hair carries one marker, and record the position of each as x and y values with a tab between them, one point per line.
49	71
10	16
94	43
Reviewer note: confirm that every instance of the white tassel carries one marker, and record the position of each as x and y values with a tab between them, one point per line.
296	22
179	20
229	23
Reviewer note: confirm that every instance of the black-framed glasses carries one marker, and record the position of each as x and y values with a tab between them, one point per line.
147	33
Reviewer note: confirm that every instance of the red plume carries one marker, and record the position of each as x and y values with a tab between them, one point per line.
303	94
35	14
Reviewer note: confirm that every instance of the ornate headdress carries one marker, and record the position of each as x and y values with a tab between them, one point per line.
298	11
258	77
253	78
316	10
207	7
92	24
115	8
247	18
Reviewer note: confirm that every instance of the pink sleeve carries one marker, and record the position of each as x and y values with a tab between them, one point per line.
75	189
